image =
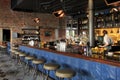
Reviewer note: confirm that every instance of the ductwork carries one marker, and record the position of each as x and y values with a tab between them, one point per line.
15	3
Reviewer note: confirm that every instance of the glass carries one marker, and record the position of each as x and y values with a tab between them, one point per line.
98	52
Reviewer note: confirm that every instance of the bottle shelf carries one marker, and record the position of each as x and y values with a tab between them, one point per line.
30	34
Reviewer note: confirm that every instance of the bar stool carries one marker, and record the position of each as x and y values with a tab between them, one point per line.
37	62
50	67
29	59
17	56
3	49
22	57
65	73
12	53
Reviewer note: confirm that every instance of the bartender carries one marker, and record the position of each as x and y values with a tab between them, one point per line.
106	41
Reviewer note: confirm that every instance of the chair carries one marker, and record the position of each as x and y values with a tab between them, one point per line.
29	60
22	57
37	62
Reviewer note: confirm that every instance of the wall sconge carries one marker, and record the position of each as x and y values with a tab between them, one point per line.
59	13
36	20
62	15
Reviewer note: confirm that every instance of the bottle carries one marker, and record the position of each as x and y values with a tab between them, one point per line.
85	50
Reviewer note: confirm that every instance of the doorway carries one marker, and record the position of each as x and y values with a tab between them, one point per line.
6	35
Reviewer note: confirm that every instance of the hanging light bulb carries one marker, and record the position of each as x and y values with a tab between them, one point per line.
62	15
113	10
59	13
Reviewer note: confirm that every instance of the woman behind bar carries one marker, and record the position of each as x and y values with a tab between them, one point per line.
106	41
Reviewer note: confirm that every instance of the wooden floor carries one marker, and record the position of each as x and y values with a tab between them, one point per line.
10	70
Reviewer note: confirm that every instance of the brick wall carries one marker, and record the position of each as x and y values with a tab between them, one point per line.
16	20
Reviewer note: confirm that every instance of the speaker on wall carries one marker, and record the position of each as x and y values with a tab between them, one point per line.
112	2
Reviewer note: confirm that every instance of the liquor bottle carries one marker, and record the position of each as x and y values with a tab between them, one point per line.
85	50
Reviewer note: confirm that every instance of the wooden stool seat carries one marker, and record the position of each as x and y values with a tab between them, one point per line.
2	46
17	52
38	61
51	66
12	50
65	73
29	57
22	54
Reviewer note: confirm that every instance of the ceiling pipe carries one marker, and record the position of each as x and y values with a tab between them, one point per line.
45	3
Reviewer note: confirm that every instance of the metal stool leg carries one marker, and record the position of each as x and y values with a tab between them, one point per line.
35	73
42	72
27	67
47	72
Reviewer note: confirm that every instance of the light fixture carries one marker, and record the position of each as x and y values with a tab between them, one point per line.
59	13
114	10
62	14
36	20
112	2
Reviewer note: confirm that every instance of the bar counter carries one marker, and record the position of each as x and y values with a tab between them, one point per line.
86	68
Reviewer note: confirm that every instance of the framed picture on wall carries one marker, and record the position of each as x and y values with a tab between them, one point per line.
47	33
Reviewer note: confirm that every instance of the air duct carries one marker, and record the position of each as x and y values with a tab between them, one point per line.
113	2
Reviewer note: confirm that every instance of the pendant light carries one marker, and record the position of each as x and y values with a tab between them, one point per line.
23	23
36	19
59	13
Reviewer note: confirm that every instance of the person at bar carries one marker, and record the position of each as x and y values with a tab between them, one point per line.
106	41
